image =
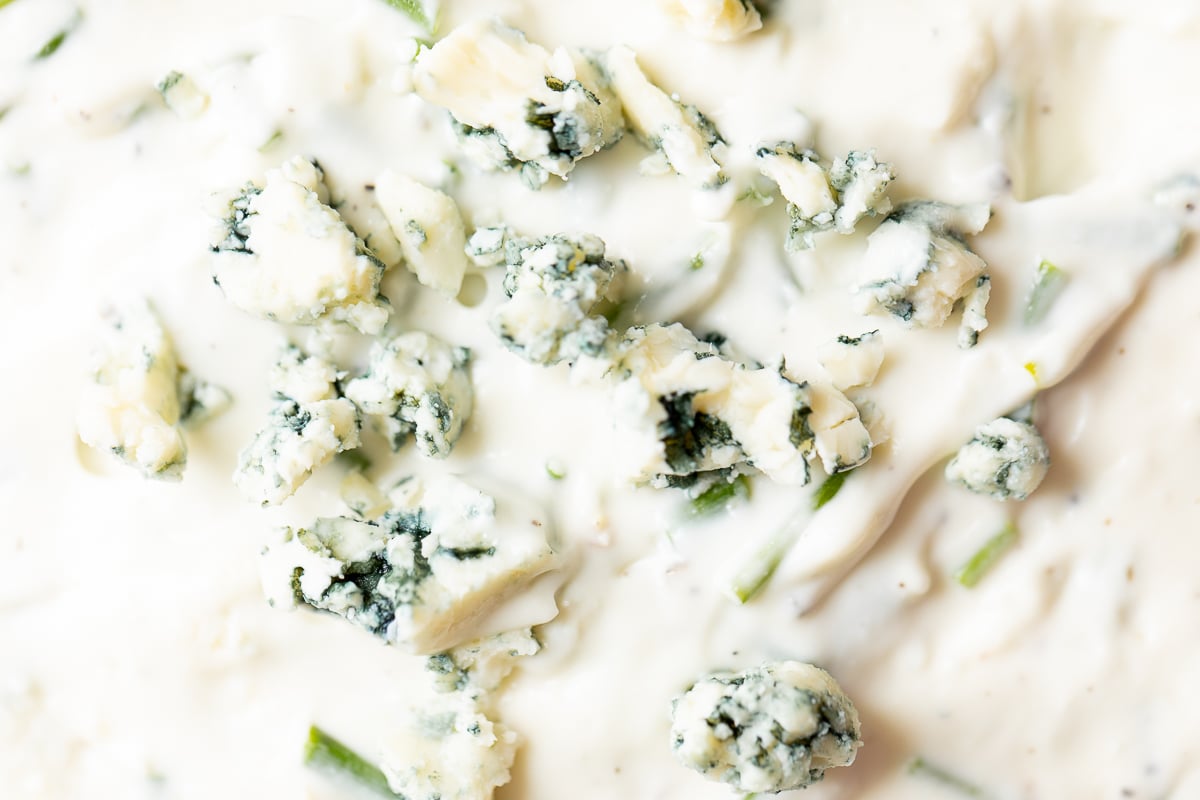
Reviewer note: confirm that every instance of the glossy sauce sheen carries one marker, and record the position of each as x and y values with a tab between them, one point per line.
139	658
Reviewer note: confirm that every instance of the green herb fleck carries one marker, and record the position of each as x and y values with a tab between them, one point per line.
919	766
416	11
556	470
51	47
829	489
1048	283
697	262
322	751
274	139
718	497
168	82
977	565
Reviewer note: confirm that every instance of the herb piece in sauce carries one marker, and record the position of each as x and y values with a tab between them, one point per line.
719	496
985	558
828	490
1048	283
919	766
424	14
322	751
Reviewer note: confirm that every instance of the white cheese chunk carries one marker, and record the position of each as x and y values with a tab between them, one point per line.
430	230
417	386
519	105
715	20
770	729
287	256
852	361
182	95
423	573
131	407
1005	459
450	750
683	136
309	423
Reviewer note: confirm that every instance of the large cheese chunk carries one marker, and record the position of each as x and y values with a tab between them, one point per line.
430	230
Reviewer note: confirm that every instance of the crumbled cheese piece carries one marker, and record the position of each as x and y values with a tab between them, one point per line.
555	287
918	267
1005	459
182	95
770	729
481	666
486	246
287	256
684	137
309	423
199	400
416	384
421	574
450	751
131	407
518	105
429	228
853	361
824	198
715	20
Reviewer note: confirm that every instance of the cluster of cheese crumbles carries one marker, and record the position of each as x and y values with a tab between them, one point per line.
419	562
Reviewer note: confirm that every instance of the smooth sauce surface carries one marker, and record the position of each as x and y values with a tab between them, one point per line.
139	657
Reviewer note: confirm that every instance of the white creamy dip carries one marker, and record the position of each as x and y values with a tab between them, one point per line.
138	655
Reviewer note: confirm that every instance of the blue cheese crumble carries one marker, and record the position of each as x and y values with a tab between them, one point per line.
684	140
556	287
429	228
824	198
286	255
1005	459
417	386
308	424
181	94
685	411
517	105
852	361
421	574
771	729
131	407
918	267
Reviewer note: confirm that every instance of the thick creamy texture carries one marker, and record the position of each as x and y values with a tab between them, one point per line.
139	657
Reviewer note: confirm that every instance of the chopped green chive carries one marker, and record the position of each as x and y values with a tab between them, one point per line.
416	11
322	751
1048	283
919	766
274	139
718	497
977	565
829	489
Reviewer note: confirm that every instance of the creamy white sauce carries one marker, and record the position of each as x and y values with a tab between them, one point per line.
138	656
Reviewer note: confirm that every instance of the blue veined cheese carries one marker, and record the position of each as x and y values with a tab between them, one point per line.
131	408
556	286
682	137
685	410
481	666
308	424
824	198
287	256
486	246
1005	459
181	94
519	105
715	20
852	361
430	230
918	266
669	385
449	750
420	575
417	386
774	728
199	400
